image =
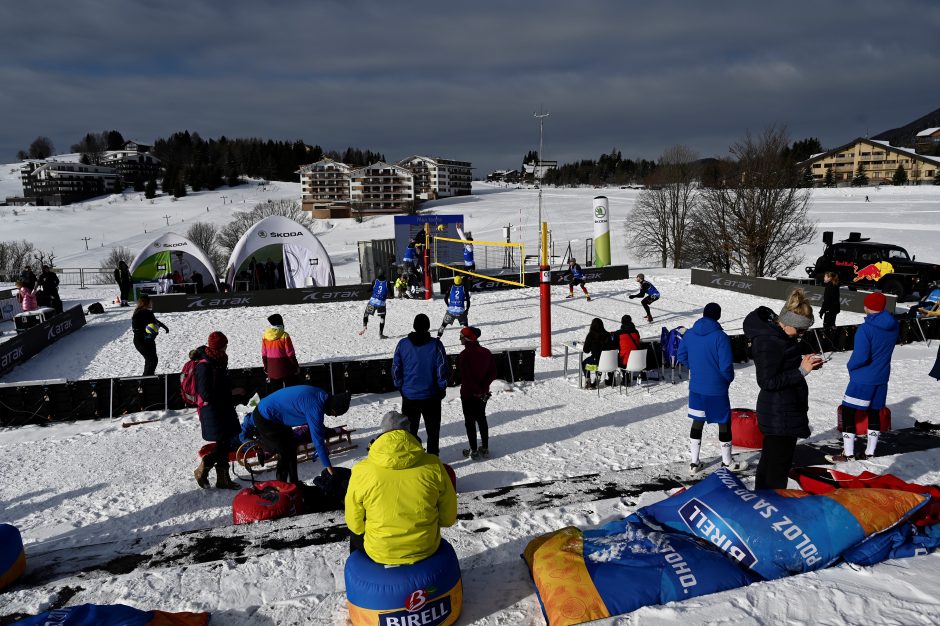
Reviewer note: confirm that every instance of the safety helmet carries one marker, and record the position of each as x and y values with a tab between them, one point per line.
458	280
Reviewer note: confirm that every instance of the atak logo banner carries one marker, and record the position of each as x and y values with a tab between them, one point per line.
780	288
34	340
175	303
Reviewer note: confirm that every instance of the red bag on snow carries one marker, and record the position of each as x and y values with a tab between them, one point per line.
271	499
822	480
861	420
744	430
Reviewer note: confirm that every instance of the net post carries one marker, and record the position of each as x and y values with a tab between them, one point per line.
427	254
545	295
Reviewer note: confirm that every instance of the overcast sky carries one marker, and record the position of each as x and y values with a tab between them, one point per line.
462	79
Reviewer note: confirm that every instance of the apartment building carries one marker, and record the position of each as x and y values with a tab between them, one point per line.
57	183
382	188
436	177
928	141
132	165
878	159
325	188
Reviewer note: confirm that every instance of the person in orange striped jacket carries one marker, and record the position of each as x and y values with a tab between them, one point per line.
277	354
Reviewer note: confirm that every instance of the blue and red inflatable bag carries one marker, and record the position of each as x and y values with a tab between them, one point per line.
113	615
268	500
779	532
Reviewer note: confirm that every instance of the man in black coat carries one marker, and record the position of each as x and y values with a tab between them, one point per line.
122	277
49	295
935	372
217	416
783	401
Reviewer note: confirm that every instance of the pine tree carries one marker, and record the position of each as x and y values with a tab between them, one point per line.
861	178
119	185
829	180
150	191
807	181
139	184
900	176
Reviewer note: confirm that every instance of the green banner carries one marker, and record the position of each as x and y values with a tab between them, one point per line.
601	232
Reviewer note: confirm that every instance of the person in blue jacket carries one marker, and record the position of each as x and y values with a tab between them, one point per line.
705	350
376	305
869	370
421	371
277	414
648	292
576	277
458	304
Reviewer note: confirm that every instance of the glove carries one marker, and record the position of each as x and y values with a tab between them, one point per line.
633	296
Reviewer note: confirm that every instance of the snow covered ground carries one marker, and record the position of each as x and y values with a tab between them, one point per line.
72	485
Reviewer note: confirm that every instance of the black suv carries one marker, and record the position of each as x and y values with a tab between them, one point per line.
870	265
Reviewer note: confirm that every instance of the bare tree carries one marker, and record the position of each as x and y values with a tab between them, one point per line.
660	221
756	222
109	264
92	148
205	236
41	148
229	234
15	255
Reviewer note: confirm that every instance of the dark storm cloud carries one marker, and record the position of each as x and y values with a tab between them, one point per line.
463	81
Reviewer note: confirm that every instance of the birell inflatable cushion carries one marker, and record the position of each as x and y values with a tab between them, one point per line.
12	557
429	592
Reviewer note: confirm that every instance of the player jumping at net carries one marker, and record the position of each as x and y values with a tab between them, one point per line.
468	262
376	305
458	304
648	292
576	277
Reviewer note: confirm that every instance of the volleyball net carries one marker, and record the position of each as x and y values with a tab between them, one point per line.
503	261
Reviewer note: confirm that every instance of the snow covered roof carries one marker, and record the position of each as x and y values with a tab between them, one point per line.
382	164
927	132
321	163
908	151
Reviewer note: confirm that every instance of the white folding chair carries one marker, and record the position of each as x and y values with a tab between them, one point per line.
608	364
636	364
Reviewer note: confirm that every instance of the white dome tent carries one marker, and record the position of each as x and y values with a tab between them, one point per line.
170	253
305	260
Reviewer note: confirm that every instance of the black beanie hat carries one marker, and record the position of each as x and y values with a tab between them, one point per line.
625	320
712	311
276	320
338	404
422	323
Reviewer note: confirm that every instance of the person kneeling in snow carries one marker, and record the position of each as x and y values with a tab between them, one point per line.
398	498
706	351
276	415
869	370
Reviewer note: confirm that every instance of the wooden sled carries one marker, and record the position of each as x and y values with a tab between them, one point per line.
254	459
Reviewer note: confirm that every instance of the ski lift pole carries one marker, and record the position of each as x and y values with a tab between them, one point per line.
427	253
545	295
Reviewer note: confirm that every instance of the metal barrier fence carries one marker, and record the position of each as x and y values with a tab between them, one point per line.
81	277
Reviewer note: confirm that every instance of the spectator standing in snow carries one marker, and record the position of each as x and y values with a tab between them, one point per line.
648	292
26	296
576	277
935	371
706	351
277	355
376	305
144	341
401	286
458	305
28	277
398	498
597	340
122	277
831	304
420	371
275	416
217	417
627	338
49	289
477	371
782	368
869	369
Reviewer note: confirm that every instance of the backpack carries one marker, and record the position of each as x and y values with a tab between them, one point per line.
188	381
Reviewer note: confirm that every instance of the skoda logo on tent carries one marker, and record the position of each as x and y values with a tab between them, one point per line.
262	234
156	245
599	211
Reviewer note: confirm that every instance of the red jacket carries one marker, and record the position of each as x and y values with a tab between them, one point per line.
477	370
628	343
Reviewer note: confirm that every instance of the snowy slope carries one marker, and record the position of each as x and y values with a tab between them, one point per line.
71	485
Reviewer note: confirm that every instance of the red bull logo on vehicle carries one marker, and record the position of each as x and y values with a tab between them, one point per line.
873	272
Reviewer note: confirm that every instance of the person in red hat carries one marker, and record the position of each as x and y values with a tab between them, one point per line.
477	371
869	370
217	417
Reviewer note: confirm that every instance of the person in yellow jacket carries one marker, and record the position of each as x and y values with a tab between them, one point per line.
399	497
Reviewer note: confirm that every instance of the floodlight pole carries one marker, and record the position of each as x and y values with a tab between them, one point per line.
541	118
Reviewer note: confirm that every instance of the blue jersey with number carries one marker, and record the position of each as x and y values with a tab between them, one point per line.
468	255
576	272
409	255
457	300
379	293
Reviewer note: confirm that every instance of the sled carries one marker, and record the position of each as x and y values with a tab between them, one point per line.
252	456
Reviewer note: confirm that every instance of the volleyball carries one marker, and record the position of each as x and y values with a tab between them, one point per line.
440	227
151	330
